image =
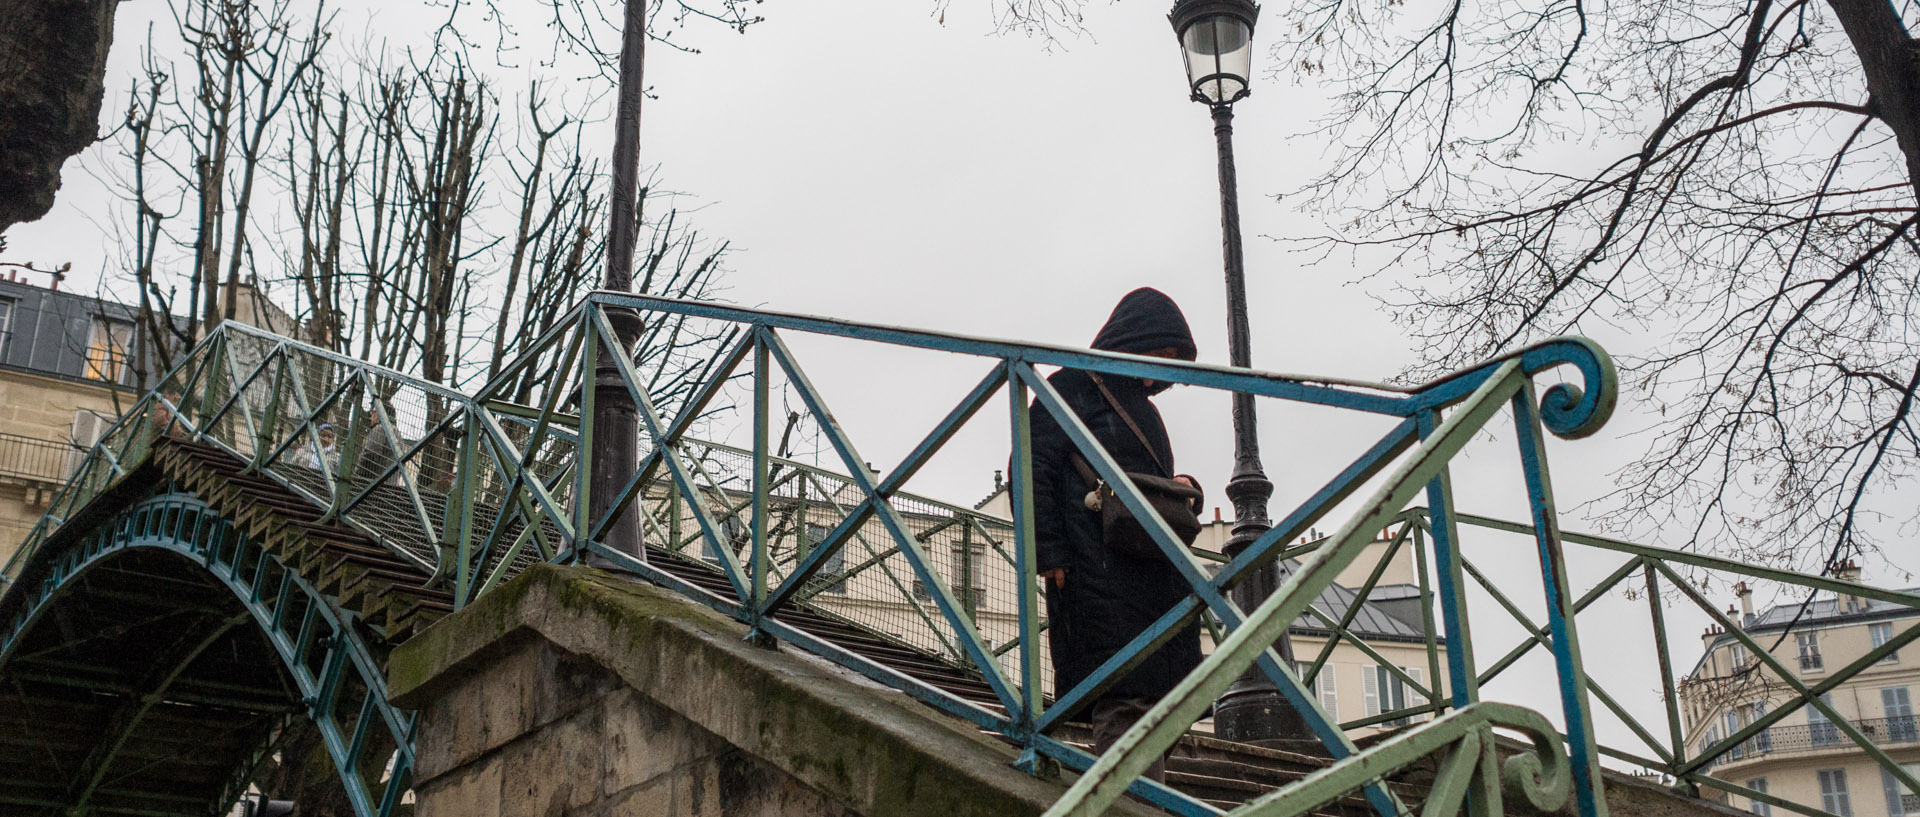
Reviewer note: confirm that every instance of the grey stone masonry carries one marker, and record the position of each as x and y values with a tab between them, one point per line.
546	733
570	693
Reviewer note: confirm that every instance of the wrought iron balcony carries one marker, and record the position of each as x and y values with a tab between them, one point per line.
1821	736
36	459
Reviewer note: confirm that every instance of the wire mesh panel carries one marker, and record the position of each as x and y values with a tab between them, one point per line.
868	581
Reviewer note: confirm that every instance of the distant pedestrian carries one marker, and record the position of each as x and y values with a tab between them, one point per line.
1101	595
376	452
325	455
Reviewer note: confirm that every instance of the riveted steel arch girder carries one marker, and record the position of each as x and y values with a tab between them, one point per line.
183	524
150	691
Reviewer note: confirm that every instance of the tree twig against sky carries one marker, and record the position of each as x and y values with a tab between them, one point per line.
1734	180
403	207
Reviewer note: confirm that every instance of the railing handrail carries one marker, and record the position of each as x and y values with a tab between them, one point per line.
1592	406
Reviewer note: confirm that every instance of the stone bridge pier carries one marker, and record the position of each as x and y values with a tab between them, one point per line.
570	693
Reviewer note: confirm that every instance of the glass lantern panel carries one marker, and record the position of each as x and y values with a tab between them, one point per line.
1219	56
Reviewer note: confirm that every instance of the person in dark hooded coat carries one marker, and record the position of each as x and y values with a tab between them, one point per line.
1098	599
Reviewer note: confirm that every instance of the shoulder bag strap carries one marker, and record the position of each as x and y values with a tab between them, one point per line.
1086	472
1128	419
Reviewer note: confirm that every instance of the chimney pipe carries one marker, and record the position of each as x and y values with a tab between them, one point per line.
1746	603
1848	571
1706	638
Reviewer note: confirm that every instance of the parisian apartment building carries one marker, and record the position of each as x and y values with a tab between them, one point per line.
70	363
1806	757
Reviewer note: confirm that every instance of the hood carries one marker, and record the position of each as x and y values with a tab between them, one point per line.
1145	320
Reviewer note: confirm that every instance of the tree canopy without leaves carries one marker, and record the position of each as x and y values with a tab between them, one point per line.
403	207
1734	181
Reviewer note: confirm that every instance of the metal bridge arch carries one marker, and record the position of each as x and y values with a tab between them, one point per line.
315	640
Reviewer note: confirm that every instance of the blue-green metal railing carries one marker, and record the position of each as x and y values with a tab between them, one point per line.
474	487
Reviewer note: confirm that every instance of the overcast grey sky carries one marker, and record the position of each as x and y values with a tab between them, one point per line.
869	162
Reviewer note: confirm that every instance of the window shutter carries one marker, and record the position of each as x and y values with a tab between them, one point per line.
1896	703
1370	682
1329	694
1421	679
87	428
1891	787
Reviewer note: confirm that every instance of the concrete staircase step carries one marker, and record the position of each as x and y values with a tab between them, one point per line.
1207	787
1234	770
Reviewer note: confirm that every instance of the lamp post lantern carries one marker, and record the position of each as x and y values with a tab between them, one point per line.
1216	40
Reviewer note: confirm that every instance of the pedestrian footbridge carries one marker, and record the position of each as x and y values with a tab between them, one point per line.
277	535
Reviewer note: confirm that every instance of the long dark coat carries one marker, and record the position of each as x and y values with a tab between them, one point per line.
1109	598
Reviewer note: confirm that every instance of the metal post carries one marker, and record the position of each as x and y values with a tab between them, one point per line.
1251	710
616	421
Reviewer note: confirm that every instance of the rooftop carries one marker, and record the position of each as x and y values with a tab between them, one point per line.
1830	609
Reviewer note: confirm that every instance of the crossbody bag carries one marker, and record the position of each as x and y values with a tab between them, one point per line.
1172	499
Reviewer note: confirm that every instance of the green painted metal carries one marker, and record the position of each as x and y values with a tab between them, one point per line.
183	525
1471	773
121	726
1164	723
481	484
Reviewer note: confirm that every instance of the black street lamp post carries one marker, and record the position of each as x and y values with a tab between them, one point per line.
616	418
1216	38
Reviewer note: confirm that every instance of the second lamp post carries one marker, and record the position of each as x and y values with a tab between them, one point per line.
1216	38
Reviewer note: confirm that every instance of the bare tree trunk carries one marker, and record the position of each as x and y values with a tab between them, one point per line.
274	51
1890	58
225	51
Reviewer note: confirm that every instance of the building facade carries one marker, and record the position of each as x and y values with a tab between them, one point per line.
67	369
1806	758
70	364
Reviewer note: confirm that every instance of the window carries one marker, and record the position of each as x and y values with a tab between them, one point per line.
834	567
1759	807
6	325
1329	694
88	428
1762	741
1833	792
1708	739
1901	801
109	349
970	571
736	534
1732	721
1736	659
1898	707
1385	692
1881	634
1820	730
1809	644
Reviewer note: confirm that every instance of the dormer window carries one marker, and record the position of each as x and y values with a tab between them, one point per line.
6	326
109	349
